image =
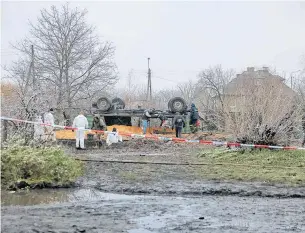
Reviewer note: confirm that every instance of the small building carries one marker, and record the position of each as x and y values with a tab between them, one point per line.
255	87
256	102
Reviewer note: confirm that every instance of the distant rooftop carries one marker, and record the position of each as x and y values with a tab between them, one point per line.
243	80
260	73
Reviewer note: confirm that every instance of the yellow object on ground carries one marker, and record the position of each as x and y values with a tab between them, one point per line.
68	134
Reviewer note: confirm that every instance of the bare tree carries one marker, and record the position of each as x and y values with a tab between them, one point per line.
214	80
210	95
131	89
188	91
69	57
300	89
19	99
265	111
132	93
25	99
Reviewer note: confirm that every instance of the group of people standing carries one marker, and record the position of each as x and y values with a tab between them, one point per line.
45	133
179	121
98	125
80	122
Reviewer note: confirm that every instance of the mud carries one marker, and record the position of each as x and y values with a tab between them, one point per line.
161	198
159	179
168	180
109	213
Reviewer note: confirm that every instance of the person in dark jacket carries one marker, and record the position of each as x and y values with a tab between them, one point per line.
178	123
145	119
98	124
194	118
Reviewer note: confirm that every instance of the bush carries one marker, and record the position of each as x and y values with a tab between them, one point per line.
36	165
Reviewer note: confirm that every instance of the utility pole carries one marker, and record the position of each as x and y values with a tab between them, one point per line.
149	94
31	81
33	67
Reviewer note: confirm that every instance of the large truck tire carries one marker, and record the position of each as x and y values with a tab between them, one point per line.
103	104
118	103
177	104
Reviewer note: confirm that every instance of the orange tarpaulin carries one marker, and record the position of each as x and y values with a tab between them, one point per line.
68	134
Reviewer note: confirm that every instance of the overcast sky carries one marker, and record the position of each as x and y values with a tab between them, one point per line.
181	38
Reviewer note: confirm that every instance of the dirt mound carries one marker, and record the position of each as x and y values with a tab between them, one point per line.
148	145
208	136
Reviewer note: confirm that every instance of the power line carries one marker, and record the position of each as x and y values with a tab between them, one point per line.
153	76
157	77
169	72
164	79
9	53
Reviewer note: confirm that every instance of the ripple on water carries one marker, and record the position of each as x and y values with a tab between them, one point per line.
56	196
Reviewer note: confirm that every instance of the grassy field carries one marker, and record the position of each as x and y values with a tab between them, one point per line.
287	167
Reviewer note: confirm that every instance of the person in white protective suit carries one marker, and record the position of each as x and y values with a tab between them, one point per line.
38	129
49	130
81	123
113	137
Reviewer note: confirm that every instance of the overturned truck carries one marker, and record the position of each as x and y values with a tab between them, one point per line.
130	120
114	112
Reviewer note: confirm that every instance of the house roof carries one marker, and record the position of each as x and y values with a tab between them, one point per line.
252	76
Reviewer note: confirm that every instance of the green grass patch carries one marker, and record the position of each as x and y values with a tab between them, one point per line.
129	176
38	165
286	167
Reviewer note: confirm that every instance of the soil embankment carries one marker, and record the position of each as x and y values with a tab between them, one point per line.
156	171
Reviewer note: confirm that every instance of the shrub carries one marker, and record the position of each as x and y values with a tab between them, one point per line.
37	165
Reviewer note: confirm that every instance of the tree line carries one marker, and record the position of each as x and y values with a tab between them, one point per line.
64	64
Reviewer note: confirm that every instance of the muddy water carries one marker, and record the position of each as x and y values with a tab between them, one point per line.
88	210
45	196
